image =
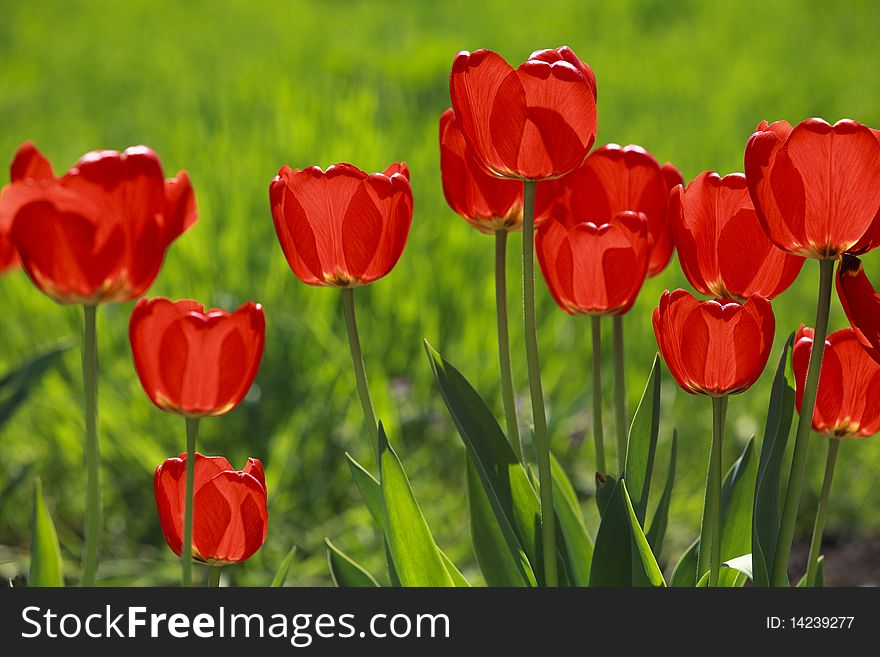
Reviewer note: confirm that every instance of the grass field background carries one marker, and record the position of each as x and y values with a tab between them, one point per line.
230	91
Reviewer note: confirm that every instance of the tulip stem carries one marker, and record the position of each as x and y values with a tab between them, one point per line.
805	422
92	448
192	433
542	442
507	396
214	576
710	532
619	391
598	433
360	372
821	511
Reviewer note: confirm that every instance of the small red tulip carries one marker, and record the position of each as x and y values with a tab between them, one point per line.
848	401
613	180
594	269
193	362
714	347
488	203
815	185
99	233
230	516
534	122
860	302
341	227
722	248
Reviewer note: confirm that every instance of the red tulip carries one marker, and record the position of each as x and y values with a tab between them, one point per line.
99	233
341	227
193	362
722	248
860	302
230	517
488	203
848	401
594	269
714	347
610	181
815	185
534	122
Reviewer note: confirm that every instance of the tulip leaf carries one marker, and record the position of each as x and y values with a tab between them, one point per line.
345	571
284	568
46	564
17	384
622	556
605	485
371	492
734	573
765	518
578	545
642	444
505	481
736	518
657	532
414	553
820	575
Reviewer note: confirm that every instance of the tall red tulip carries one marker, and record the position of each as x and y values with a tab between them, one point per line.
594	269
848	403
722	248
341	227
193	362
614	179
488	203
99	233
534	122
815	185
713	347
230	516
860	302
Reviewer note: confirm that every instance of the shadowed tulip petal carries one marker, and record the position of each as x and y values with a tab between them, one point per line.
860	302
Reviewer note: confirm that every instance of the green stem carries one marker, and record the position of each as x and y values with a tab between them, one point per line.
619	391
598	433
542	441
92	448
507	396
821	511
192	433
214	576
710	532
779	575
360	372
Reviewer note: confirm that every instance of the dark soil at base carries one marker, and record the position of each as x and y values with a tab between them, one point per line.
849	560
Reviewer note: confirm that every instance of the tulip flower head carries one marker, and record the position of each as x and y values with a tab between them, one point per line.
860	302
230	516
193	362
594	269
488	203
722	248
714	348
615	179
535	122
341	227
99	233
848	402
814	186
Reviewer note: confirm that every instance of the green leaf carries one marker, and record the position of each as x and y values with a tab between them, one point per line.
506	483
46	565
414	553
622	556
345	571
371	492
657	532
736	518
605	485
577	544
502	559
765	518
642	444
820	575
734	573
281	575
17	384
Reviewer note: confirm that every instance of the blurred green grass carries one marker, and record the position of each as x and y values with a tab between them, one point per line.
230	91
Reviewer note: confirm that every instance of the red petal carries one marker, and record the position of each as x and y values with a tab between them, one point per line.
180	206
230	517
860	302
30	164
